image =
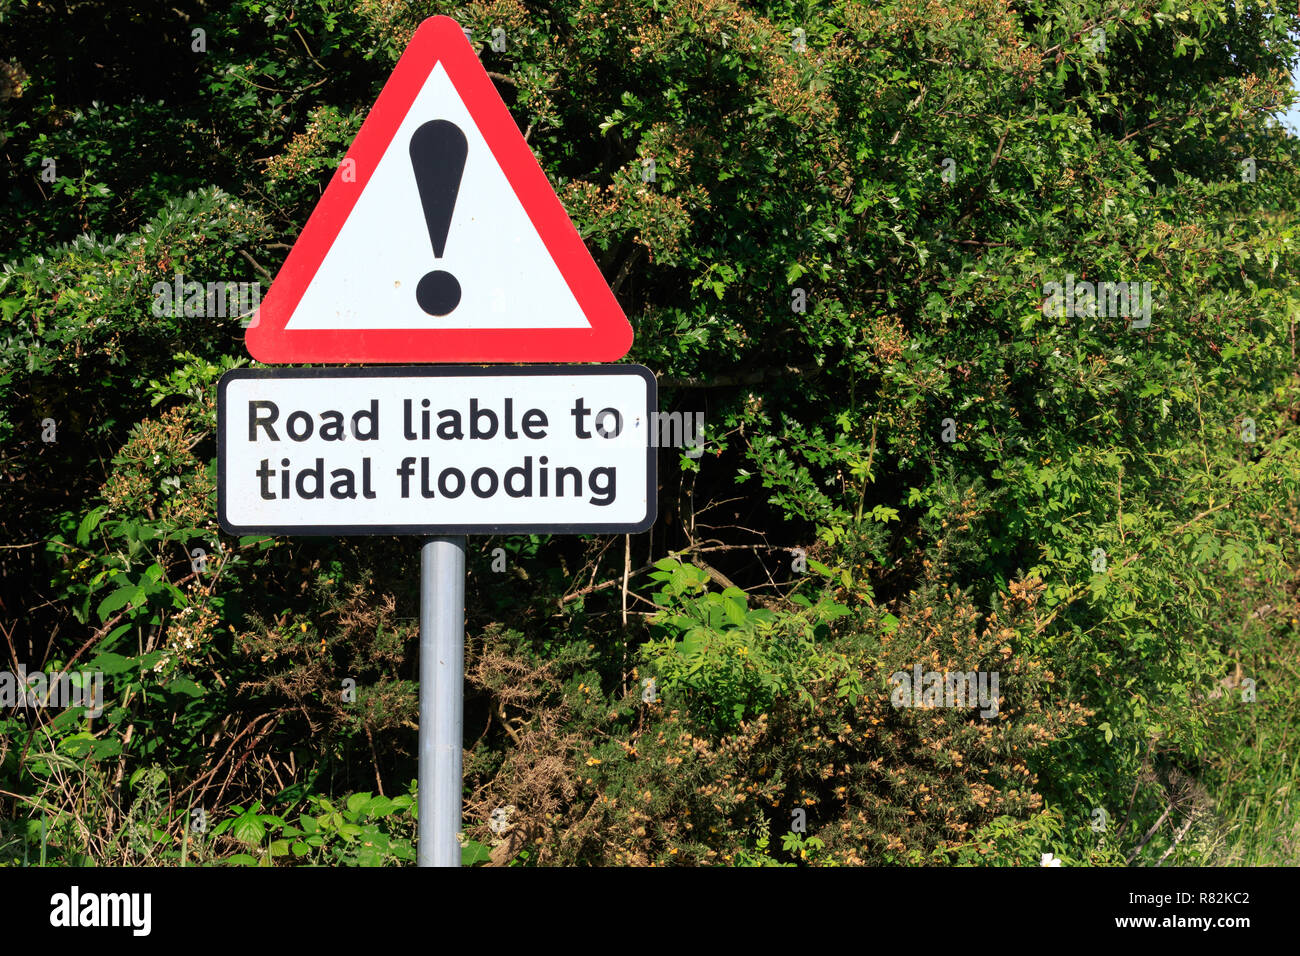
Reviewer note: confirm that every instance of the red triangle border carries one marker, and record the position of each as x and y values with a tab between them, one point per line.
440	39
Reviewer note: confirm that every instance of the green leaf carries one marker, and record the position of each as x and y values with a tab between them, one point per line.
89	523
111	663
183	685
735	613
248	829
117	599
473	853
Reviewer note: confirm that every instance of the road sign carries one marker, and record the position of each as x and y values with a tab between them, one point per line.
436	450
439	238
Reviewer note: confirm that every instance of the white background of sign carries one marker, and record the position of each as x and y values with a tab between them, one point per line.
554	390
507	278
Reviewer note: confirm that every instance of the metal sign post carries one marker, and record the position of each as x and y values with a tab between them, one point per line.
442	665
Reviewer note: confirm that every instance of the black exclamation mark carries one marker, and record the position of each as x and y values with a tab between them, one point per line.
438	151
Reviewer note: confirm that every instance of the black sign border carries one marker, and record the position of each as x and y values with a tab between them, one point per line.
439	371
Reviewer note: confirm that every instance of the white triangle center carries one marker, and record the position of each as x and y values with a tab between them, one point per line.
508	280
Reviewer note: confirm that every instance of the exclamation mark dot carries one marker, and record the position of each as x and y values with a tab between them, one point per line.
438	151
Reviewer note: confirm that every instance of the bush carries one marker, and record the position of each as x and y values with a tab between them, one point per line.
846	260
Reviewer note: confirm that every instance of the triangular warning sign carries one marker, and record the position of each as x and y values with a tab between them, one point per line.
439	238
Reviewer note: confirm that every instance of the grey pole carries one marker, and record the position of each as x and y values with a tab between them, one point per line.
442	665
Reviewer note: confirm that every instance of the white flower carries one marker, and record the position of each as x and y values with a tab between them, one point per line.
1049	860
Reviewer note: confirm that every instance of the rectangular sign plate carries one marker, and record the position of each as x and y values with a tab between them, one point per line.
546	449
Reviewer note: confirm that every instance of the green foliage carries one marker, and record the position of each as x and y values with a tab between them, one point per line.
364	830
1103	530
732	662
